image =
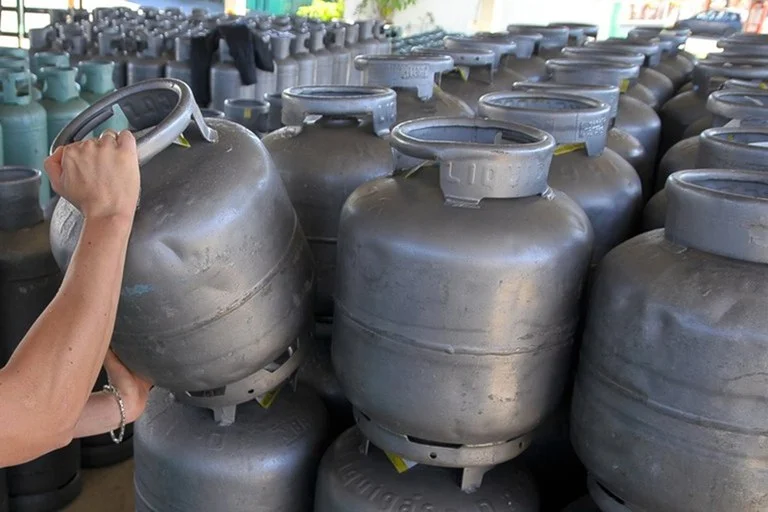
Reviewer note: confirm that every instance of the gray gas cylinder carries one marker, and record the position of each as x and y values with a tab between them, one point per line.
266	81
590	30
633	116
368	44
286	67
674	66
324	58
351	42
355	120
688	107
212	112
383	44
225	80
553	38
342	56
149	62
606	187
275	116
504	46
526	62
624	144
179	68
266	460
29	280
251	114
355	476
110	47
747	108
728	147
307	62
702	282
463	387
256	266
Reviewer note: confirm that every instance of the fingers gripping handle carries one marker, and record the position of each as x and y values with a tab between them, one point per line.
164	104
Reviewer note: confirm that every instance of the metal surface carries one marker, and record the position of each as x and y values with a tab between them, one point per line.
355	122
734	108
693	408
633	116
275	116
351	42
61	99
286	68
350	480
686	108
218	278
226	82
307	62
266	460
723	148
29	279
432	312
249	113
342	56
324	58
606	187
25	132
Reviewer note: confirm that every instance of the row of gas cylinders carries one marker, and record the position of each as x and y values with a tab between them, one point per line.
220	57
447	258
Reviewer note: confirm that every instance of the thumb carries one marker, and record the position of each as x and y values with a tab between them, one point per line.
53	167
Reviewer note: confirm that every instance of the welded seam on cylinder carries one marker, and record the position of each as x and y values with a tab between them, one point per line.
292	248
664	409
448	349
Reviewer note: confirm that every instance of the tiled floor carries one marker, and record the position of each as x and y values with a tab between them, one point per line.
106	490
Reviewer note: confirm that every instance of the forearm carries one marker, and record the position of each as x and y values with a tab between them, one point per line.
60	357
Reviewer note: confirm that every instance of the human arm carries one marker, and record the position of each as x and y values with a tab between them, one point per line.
47	382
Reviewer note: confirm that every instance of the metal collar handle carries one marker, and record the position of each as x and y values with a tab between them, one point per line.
11	79
750	107
380	103
499	47
733	148
552	37
719	211
406	71
591	72
706	71
165	105
758	48
526	44
738	58
604	53
569	119
651	50
479	158
608	94
466	58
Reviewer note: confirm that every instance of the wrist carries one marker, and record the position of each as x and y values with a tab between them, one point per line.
119	223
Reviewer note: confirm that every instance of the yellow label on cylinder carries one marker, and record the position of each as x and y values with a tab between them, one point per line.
247	113
563	149
267	399
401	465
763	85
624	85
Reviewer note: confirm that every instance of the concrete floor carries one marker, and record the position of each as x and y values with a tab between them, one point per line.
106	489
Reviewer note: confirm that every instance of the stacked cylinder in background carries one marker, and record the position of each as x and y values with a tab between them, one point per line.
471	205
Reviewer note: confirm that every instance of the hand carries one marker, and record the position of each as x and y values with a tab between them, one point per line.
100	177
133	388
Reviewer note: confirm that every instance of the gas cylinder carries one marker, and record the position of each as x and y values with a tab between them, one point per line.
368	44
688	107
355	120
633	116
324	58
24	129
747	108
674	66
352	36
729	147
41	60
413	78
525	62
225	80
286	67
466	384
503	46
576	34
179	68
266	460
621	142
275	116
317	373
589	30
342	56
29	279
474	74
251	114
307	62
246	283
212	112
111	42
16	53
678	401
553	38
61	99
383	44
660	86
95	79
606	187
355	476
